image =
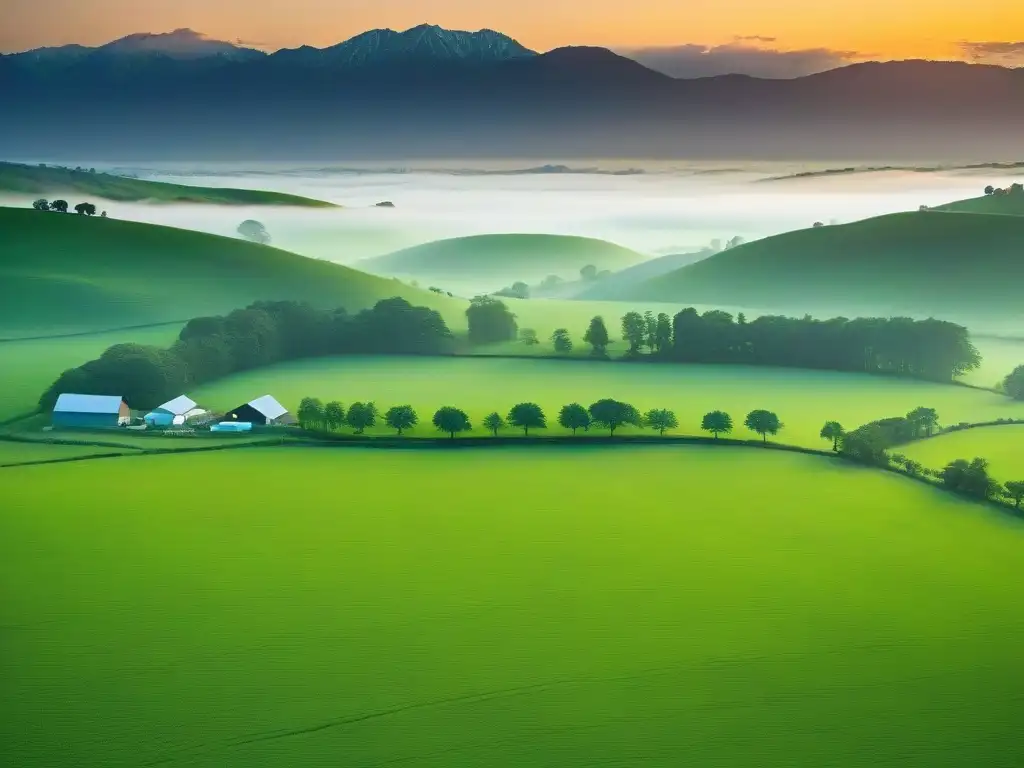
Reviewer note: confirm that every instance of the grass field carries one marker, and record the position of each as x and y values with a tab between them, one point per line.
927	263
804	400
490	262
37	180
20	453
548	608
68	273
1002	445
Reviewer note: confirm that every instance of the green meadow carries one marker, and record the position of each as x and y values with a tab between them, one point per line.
1002	445
803	399
542	607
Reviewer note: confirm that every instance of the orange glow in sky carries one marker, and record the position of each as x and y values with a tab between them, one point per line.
873	28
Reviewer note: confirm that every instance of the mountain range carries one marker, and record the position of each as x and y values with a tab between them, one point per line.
432	92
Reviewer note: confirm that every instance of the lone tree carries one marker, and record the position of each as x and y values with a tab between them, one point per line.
597	337
451	420
661	420
311	412
1013	384
574	416
634	331
41	205
528	336
764	423
833	431
612	414
254	231
1014	490
717	423
562	341
334	415
361	416
923	418
588	273
60	206
990	189
401	417
490	321
493	422
87	209
527	416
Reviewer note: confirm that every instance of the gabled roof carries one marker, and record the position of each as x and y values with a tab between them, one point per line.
71	403
179	406
269	407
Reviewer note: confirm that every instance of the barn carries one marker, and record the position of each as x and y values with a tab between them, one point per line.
90	411
262	410
174	413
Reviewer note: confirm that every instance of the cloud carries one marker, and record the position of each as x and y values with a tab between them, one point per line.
739	57
755	39
1002	51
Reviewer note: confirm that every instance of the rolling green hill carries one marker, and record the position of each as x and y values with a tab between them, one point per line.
66	273
1007	205
495	260
39	180
966	267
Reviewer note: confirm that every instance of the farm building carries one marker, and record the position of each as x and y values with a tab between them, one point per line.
262	410
90	411
174	413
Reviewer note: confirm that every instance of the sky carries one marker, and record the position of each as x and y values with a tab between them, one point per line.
778	36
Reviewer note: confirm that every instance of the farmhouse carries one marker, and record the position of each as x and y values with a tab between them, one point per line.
262	410
90	411
174	413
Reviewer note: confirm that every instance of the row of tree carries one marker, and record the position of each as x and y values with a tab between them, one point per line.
209	348
61	206
926	349
610	414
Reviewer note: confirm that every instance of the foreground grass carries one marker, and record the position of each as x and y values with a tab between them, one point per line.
1002	445
550	607
36	180
804	400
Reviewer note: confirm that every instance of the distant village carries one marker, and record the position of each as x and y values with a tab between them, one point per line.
75	411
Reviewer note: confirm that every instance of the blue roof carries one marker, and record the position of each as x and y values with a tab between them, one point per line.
71	403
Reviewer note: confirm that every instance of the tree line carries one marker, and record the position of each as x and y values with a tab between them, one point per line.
263	333
607	414
935	350
61	206
870	443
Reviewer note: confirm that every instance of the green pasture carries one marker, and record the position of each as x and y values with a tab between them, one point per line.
21	453
1007	205
803	399
516	607
1002	445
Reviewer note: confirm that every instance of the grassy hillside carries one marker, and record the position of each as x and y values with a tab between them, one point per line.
748	608
498	259
623	283
804	400
61	273
50	181
1007	205
941	264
